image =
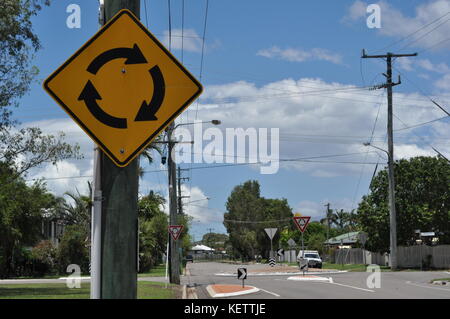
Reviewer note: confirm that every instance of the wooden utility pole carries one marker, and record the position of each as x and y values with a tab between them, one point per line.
119	220
392	213
174	260
180	197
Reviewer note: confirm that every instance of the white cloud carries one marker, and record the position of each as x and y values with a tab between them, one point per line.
334	119
444	82
188	39
299	55
315	118
57	181
317	210
411	150
197	206
395	23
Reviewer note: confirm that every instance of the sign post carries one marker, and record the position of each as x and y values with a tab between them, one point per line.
242	275
104	87
302	222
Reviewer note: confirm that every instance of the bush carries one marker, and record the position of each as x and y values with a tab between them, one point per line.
43	257
73	249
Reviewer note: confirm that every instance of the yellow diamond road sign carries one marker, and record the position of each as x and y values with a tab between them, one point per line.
123	87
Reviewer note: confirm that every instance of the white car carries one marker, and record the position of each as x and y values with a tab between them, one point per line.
312	256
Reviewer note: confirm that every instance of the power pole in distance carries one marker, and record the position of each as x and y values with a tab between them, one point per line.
328	220
180	197
174	260
392	214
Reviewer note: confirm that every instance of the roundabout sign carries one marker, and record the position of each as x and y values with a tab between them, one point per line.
123	88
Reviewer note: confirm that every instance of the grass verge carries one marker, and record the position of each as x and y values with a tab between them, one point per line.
146	290
157	271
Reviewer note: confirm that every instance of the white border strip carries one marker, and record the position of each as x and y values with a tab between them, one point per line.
315	278
230	294
224	274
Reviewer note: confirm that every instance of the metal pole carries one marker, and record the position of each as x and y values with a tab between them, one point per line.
96	216
174	265
303	253
96	230
119	210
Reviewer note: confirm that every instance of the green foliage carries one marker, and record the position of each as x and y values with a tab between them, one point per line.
248	214
314	236
150	205
153	234
17	45
23	148
44	258
152	241
422	194
215	240
21	209
73	249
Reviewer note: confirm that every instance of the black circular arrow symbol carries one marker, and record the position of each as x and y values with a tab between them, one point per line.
147	112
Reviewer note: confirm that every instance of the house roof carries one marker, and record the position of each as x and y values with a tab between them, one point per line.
202	247
348	238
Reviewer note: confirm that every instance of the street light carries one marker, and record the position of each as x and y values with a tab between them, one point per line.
214	122
198	200
392	213
378	148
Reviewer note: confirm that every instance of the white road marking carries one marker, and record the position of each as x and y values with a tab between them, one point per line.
363	289
272	293
417	285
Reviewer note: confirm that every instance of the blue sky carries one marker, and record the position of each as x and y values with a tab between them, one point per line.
261	50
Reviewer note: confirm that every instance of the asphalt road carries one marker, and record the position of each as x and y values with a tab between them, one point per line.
351	285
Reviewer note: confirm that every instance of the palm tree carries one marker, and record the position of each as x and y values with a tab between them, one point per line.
341	218
79	211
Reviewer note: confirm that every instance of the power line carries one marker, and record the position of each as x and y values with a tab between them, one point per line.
203	49
422	138
367	153
421	124
305	160
257	222
417	39
146	15
170	25
412	33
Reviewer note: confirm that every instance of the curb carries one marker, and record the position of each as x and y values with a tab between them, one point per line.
214	294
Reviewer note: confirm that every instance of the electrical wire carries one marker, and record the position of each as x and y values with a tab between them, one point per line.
412	33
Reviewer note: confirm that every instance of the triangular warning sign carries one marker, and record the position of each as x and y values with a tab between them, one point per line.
175	231
302	222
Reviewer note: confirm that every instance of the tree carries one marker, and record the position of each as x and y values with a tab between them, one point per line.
18	43
79	211
21	209
26	147
215	240
73	249
422	198
248	214
152	230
